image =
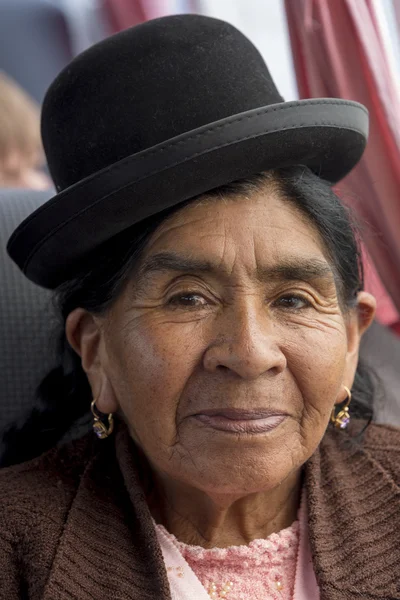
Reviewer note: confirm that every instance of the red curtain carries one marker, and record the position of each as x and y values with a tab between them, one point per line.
127	13
338	52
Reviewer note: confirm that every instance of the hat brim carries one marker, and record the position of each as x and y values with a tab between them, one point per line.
326	135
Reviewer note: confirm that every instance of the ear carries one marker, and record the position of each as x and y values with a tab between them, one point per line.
357	322
84	332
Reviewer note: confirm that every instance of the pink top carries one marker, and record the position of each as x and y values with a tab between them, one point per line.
276	568
264	569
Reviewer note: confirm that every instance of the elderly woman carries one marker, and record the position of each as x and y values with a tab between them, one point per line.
209	283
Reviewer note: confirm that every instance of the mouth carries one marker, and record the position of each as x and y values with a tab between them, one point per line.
240	421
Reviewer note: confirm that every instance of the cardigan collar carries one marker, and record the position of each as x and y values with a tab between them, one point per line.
354	520
354	517
110	518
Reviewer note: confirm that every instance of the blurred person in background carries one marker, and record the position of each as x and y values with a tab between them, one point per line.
21	152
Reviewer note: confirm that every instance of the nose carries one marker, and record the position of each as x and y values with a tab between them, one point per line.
246	345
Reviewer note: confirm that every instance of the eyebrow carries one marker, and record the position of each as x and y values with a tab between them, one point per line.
291	269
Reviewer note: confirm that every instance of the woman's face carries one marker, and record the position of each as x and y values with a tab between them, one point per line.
228	349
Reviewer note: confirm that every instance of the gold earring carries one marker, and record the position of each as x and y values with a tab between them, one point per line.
342	419
101	430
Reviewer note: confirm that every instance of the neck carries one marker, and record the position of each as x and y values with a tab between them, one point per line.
211	520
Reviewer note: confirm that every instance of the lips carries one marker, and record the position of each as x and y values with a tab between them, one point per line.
241	421
239	414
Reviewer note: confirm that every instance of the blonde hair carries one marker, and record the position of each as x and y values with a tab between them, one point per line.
19	125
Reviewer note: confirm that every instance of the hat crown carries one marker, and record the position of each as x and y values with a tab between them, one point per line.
146	85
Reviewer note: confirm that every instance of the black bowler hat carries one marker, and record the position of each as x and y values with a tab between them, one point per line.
158	114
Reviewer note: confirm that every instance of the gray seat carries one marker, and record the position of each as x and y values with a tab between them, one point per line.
380	348
25	316
28	323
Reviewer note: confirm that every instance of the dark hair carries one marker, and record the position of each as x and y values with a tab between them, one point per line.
64	395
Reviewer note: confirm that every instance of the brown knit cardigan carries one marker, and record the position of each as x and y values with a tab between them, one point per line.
74	523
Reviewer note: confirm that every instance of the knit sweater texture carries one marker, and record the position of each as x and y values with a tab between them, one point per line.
75	524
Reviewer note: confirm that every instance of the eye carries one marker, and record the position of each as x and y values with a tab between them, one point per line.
292	301
188	300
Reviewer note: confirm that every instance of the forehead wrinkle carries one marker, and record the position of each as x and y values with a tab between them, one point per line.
177	221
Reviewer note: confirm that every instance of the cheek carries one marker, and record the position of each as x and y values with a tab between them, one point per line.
316	359
151	365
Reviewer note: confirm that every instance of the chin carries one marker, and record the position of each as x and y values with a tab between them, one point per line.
248	477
